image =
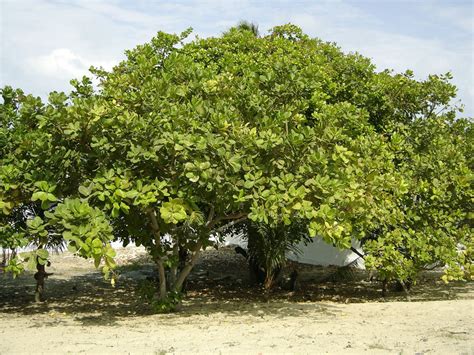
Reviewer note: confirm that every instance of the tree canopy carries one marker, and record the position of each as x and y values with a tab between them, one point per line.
181	139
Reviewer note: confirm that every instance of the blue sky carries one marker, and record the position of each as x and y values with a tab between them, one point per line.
45	43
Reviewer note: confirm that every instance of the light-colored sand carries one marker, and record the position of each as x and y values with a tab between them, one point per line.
438	327
84	314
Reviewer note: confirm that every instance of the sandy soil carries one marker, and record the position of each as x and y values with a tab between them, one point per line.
223	314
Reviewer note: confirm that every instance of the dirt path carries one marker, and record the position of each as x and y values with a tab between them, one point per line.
438	327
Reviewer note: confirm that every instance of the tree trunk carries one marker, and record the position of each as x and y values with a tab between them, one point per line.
163	293
268	281
4	260
384	287
40	276
187	268
174	268
405	288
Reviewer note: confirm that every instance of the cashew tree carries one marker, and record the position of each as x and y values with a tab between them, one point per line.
182	140
189	138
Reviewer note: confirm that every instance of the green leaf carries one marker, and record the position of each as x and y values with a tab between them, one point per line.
249	184
31	262
205	165
40	195
42	253
131	194
51	197
115	212
97	243
72	248
84	190
173	212
124	207
297	206
110	253
192	177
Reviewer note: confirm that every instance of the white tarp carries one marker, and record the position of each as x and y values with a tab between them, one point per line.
318	252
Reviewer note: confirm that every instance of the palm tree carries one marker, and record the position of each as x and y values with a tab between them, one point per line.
248	26
245	26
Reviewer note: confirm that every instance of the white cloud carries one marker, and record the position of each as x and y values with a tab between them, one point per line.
65	64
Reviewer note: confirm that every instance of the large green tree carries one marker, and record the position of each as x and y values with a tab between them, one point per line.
181	140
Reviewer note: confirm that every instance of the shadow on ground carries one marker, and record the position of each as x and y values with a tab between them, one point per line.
219	284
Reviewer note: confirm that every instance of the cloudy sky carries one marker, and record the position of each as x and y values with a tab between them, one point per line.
45	43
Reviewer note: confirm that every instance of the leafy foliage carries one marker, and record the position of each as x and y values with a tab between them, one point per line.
38	172
182	139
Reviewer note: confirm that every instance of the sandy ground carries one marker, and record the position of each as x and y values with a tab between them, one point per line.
440	327
83	314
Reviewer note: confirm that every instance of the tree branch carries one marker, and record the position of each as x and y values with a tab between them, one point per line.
224	218
210	216
154	222
230	224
